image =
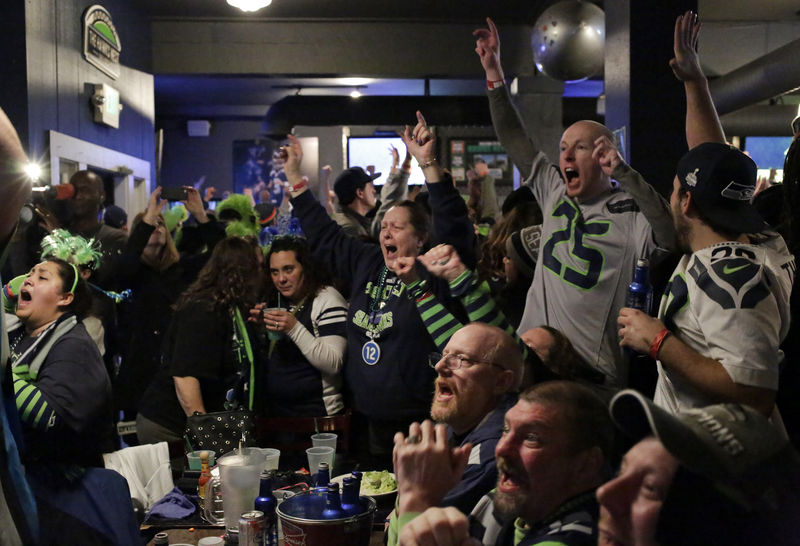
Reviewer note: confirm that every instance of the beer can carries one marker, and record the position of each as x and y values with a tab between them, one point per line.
251	528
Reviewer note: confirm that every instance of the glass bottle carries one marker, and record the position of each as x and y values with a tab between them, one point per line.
205	475
323	475
266	502
333	505
351	504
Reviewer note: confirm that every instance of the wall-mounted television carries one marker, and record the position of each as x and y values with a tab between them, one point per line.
375	150
767	152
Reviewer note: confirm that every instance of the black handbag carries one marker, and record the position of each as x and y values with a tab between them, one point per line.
219	431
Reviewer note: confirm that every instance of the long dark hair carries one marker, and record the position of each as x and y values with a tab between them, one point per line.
229	278
315	277
81	296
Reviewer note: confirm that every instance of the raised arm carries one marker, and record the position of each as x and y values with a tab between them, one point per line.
338	251
702	121
451	223
505	118
653	206
14	185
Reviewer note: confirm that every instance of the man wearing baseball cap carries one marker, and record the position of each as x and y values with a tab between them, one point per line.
726	307
356	196
721	474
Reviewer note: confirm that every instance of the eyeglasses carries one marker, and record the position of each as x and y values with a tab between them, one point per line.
456	361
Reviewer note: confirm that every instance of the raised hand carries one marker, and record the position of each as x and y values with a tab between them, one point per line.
686	63
194	204
154	206
403	267
606	154
420	141
426	466
292	155
487	46
443	261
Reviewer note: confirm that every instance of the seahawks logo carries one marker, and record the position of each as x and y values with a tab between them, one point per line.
733	281
737	192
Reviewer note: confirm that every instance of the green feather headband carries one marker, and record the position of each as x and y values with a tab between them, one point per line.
73	249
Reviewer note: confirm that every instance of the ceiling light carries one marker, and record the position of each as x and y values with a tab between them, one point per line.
355	93
357	82
249	5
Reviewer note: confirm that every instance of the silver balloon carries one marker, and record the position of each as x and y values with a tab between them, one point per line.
568	40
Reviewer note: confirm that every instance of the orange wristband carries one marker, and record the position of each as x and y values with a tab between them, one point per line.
655	346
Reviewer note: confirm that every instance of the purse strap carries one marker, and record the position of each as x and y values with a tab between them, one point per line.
241	329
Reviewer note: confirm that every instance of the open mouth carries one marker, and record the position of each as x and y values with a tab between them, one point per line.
570	173
24	298
443	392
510	479
390	249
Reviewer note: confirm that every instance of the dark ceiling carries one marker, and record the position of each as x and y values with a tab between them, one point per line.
415	10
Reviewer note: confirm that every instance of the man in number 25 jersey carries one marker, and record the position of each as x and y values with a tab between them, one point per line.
592	234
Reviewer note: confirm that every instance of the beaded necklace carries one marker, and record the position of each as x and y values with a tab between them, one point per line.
376	299
371	351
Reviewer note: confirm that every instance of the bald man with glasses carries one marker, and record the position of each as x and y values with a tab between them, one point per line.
478	376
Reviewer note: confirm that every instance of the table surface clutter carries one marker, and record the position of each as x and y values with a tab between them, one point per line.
187	518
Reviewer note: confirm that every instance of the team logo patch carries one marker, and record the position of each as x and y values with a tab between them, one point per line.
691	178
737	192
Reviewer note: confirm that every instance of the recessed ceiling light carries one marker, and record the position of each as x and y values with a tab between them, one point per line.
249	5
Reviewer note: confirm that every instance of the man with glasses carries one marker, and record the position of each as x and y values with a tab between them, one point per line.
478	377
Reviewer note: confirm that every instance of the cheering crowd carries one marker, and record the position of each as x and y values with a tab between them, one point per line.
490	370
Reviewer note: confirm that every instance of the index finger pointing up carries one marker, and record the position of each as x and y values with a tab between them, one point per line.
421	119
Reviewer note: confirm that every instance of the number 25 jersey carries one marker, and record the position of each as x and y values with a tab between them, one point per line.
586	262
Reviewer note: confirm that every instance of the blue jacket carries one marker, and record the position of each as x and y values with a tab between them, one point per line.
480	476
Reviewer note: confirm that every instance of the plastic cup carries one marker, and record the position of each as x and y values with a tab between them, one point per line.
193	457
273	456
326	439
318	455
273	335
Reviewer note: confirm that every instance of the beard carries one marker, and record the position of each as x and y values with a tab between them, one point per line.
682	230
508	505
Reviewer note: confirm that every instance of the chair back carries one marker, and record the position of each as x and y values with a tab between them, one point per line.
293	434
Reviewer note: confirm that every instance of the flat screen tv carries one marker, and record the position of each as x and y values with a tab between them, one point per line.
767	152
374	150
